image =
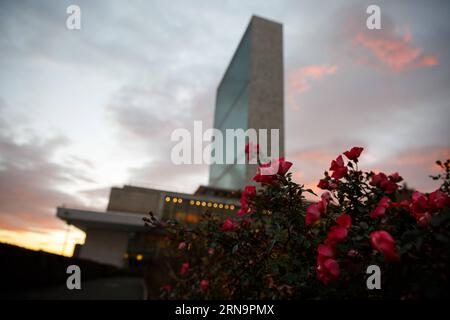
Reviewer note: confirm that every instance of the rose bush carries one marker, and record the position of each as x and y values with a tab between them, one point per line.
280	246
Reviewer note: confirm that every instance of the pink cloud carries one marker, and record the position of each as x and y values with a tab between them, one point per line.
390	50
300	80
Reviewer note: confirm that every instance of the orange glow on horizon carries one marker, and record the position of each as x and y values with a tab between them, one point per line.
48	241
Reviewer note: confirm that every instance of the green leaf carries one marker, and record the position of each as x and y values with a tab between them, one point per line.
310	191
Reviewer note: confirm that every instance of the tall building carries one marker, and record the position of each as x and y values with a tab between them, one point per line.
250	95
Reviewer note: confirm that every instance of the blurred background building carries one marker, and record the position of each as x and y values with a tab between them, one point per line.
250	95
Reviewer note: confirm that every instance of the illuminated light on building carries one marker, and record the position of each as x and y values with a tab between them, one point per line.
231	207
203	203
197	203
175	200
215	205
180	200
220	206
226	207
167	199
192	202
139	257
209	204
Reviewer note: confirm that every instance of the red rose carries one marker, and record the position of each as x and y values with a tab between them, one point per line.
266	173
332	267
338	168
228	225
244	202
327	267
383	242
339	173
249	191
388	186
344	220
380	210
312	214
384	202
283	166
204	284
395	177
419	208
323	184
328	270
184	268
336	164
422	207
336	234
182	245
424	220
263	178
419	203
438	200
325	251
315	210
404	204
377	179
242	212
354	153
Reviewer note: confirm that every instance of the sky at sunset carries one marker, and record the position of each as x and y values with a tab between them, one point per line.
82	111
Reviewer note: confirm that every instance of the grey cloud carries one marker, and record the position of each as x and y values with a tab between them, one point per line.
30	182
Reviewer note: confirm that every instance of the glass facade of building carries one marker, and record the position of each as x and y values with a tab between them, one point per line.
231	112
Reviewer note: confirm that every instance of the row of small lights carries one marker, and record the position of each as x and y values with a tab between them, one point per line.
202	203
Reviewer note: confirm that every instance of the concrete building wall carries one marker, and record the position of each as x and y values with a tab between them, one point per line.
250	96
135	199
105	246
266	89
